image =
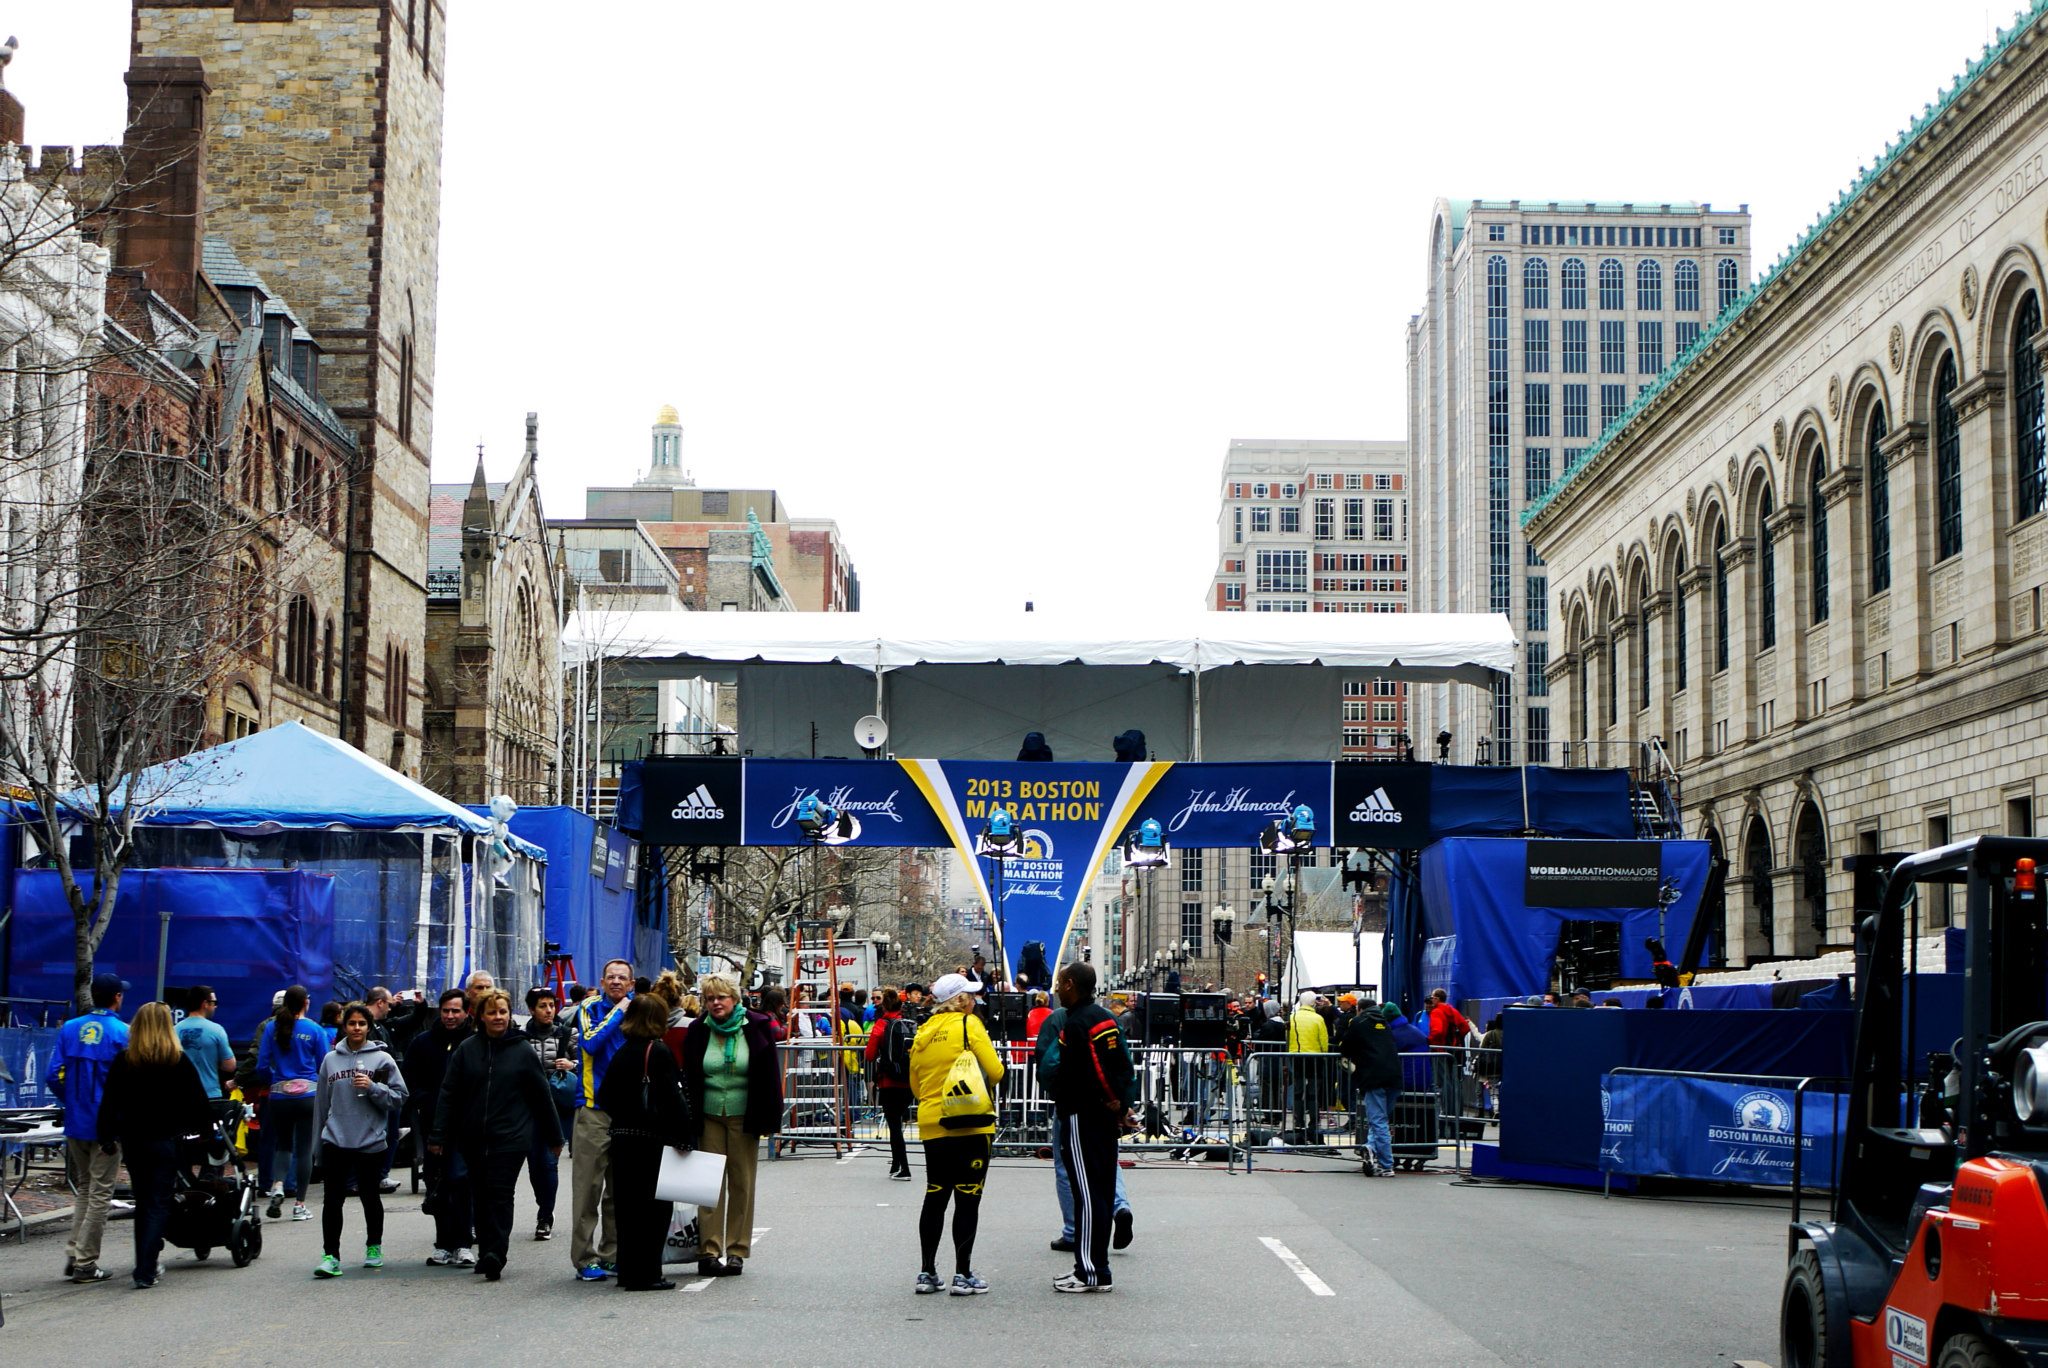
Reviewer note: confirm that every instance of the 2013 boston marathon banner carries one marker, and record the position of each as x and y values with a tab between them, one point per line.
1718	1130
1068	815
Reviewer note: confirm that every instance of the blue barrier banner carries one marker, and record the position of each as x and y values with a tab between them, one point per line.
1726	1132
1224	806
24	1051
880	796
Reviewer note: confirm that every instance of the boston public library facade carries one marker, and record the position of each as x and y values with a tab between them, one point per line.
1811	558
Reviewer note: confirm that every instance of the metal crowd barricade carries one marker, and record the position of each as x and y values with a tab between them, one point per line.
825	1101
1191	1103
1188	1102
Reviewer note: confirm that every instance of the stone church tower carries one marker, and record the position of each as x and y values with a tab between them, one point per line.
323	169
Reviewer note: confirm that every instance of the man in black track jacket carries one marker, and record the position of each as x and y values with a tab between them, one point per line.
1090	1111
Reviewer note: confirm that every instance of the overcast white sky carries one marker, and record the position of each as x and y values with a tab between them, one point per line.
995	284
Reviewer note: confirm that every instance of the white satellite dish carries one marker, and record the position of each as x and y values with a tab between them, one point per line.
871	733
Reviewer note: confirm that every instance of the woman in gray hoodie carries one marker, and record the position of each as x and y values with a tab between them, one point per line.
359	1087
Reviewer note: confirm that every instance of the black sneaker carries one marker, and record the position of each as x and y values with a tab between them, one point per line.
1063	1246
544	1231
1121	1239
89	1273
276	1208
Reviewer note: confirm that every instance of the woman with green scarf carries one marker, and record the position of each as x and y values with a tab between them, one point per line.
735	1084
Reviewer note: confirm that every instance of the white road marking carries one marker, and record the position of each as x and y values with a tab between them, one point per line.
1299	1269
851	1154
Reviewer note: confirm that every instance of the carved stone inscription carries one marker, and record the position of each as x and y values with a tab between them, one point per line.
2030	552
1946	584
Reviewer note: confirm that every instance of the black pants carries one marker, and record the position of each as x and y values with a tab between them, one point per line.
1088	1148
643	1221
150	1164
493	1179
448	1184
896	1106
343	1170
955	1167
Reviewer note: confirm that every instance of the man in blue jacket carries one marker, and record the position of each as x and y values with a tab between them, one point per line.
594	1238
86	1046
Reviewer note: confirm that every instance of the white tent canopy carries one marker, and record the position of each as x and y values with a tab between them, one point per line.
1211	686
1326	959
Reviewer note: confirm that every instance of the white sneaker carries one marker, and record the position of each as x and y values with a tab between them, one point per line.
464	1258
1070	1283
440	1258
300	1212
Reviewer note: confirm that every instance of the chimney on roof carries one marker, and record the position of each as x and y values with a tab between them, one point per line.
163	201
12	117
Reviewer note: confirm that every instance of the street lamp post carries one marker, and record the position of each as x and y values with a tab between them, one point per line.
1221	921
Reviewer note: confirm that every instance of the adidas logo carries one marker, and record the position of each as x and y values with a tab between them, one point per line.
1377	807
698	807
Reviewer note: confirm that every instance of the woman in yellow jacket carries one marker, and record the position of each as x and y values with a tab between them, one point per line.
956	1148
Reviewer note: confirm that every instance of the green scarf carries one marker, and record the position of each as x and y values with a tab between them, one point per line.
730	1029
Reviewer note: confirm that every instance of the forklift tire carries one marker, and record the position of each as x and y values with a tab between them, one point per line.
1803	1317
1967	1350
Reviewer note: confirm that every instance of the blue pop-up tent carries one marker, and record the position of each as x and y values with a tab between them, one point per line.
243	932
411	908
597	909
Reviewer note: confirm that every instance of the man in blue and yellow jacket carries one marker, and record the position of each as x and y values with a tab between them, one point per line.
86	1046
594	1235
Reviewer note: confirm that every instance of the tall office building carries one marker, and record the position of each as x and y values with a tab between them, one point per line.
1320	527
1544	322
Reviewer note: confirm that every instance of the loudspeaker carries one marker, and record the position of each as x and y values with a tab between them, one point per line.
1204	1020
1007	1013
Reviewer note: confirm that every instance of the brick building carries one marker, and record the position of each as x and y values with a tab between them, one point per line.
204	362
322	140
492	672
736	549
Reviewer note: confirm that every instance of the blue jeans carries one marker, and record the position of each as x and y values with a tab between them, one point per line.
1063	1184
544	1169
287	1126
1378	1104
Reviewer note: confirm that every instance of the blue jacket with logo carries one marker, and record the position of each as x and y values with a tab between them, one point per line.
86	1046
596	1022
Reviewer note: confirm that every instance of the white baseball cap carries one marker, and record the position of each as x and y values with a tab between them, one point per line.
950	986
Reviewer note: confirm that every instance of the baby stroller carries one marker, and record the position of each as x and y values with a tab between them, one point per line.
214	1200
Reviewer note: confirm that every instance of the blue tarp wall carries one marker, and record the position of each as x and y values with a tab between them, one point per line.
1705	997
594	918
247	932
1553	1057
1472	889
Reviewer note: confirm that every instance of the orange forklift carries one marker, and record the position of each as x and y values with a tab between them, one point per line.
1936	1252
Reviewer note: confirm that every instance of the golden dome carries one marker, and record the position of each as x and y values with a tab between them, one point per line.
668	417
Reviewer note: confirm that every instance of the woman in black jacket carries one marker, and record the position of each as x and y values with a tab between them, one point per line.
152	1098
494	1108
642	1094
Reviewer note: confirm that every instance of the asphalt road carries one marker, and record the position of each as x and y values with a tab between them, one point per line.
1423	1269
